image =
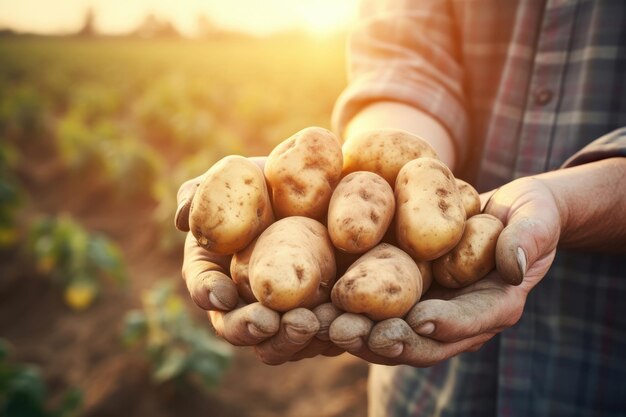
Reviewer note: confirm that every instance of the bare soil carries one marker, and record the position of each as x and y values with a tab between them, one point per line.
84	349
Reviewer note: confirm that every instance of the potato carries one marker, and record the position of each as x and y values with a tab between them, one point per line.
292	264
429	212
383	283
360	211
303	171
470	198
239	272
231	206
473	257
384	151
426	270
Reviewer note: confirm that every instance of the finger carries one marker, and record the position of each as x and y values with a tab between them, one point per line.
489	307
207	283
523	242
316	347
393	338
326	313
476	347
485	198
350	331
247	325
532	230
297	328
184	199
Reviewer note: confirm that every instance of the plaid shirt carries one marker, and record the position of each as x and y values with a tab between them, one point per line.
522	87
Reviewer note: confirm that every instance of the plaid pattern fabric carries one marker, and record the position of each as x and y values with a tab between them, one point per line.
523	87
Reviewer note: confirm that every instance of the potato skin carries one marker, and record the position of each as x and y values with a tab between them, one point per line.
429	212
383	283
473	257
470	198
384	152
292	264
360	211
239	272
231	206
426	270
303	171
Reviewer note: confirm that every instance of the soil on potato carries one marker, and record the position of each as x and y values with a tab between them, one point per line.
83	349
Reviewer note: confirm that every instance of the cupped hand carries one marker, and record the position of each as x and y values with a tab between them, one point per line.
276	338
450	321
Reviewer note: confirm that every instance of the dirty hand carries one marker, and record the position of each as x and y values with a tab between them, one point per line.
450	321
276	339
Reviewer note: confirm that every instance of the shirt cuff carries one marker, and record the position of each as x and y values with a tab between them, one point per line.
608	146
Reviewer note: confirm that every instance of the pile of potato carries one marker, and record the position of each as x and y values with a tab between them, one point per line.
367	226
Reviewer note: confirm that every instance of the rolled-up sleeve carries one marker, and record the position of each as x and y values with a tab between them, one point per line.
407	52
611	145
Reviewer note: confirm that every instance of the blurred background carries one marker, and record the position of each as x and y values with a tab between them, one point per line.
106	107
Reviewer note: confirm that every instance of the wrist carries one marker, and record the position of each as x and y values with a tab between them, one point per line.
591	202
402	116
554	189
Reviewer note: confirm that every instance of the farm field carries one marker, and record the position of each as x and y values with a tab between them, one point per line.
96	135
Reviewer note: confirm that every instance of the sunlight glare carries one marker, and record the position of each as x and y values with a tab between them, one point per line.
321	17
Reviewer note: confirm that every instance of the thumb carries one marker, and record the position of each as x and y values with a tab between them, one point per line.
527	245
184	198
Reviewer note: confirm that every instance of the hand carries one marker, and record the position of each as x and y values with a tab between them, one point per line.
448	321
275	339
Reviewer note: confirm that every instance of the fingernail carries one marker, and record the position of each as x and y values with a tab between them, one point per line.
217	303
521	261
296	336
352	345
394	350
426	328
178	217
255	331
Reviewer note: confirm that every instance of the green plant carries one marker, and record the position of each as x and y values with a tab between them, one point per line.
177	347
23	391
11	198
100	150
22	113
77	260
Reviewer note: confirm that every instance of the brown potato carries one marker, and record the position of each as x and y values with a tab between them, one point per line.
303	171
473	257
239	272
292	264
231	206
429	212
470	198
384	151
426	269
360	211
383	283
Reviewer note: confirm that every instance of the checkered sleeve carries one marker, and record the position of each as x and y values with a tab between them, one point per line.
611	145
406	51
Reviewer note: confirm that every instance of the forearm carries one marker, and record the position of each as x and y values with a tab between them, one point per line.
592	202
401	116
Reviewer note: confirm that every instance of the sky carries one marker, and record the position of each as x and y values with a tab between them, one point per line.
259	17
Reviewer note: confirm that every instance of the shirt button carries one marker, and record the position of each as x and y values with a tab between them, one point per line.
543	96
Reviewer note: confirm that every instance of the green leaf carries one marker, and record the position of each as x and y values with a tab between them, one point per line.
135	327
172	366
71	404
